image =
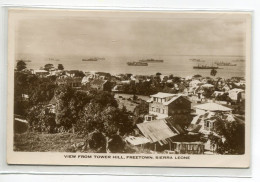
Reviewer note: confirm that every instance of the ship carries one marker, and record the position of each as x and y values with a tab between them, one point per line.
197	60
52	59
90	59
102	59
94	59
239	60
205	67
151	61
224	64
137	64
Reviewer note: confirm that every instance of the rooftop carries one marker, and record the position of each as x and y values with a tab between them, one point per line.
175	97
137	140
40	71
163	95
212	107
156	130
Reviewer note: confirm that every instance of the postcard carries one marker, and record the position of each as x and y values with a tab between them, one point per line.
129	88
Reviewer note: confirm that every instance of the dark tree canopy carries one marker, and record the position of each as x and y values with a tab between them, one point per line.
213	72
47	67
60	67
20	65
233	133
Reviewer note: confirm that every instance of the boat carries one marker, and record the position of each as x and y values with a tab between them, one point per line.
90	59
239	60
151	61
94	59
137	64
197	60
224	64
101	59
205	67
52	59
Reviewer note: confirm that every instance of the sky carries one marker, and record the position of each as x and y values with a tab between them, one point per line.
128	34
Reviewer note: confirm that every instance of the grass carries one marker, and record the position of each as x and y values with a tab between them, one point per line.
59	142
42	142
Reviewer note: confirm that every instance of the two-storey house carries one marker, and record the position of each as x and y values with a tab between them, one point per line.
164	105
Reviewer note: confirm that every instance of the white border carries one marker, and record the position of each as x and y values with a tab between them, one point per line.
105	4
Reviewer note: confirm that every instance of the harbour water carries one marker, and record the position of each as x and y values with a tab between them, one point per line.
176	65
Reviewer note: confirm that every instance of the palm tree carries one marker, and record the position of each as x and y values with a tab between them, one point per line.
213	72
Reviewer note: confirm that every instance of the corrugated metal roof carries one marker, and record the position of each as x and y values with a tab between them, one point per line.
156	130
194	128
174	125
175	98
212	107
162	95
21	120
137	140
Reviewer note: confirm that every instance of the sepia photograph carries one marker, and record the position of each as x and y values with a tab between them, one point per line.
128	88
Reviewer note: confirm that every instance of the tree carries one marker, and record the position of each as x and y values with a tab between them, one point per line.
197	76
232	136
20	65
158	74
64	116
79	74
47	67
213	72
141	109
60	67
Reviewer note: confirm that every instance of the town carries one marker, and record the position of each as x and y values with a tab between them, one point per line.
97	112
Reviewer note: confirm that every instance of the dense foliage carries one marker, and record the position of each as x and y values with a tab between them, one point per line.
20	65
231	136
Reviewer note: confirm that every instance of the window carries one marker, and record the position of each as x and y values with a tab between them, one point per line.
154	99
163	111
158	110
205	124
213	125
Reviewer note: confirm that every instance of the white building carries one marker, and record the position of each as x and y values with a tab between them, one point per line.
211	107
236	94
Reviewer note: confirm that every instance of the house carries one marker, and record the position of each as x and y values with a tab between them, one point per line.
135	79
125	82
71	73
100	84
41	73
188	147
164	78
51	107
73	82
163	133
117	88
211	107
86	79
217	93
227	87
25	97
203	123
236	94
164	104
137	140
20	124
54	72
195	83
157	132
207	85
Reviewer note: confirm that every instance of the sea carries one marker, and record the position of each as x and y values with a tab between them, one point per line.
177	65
